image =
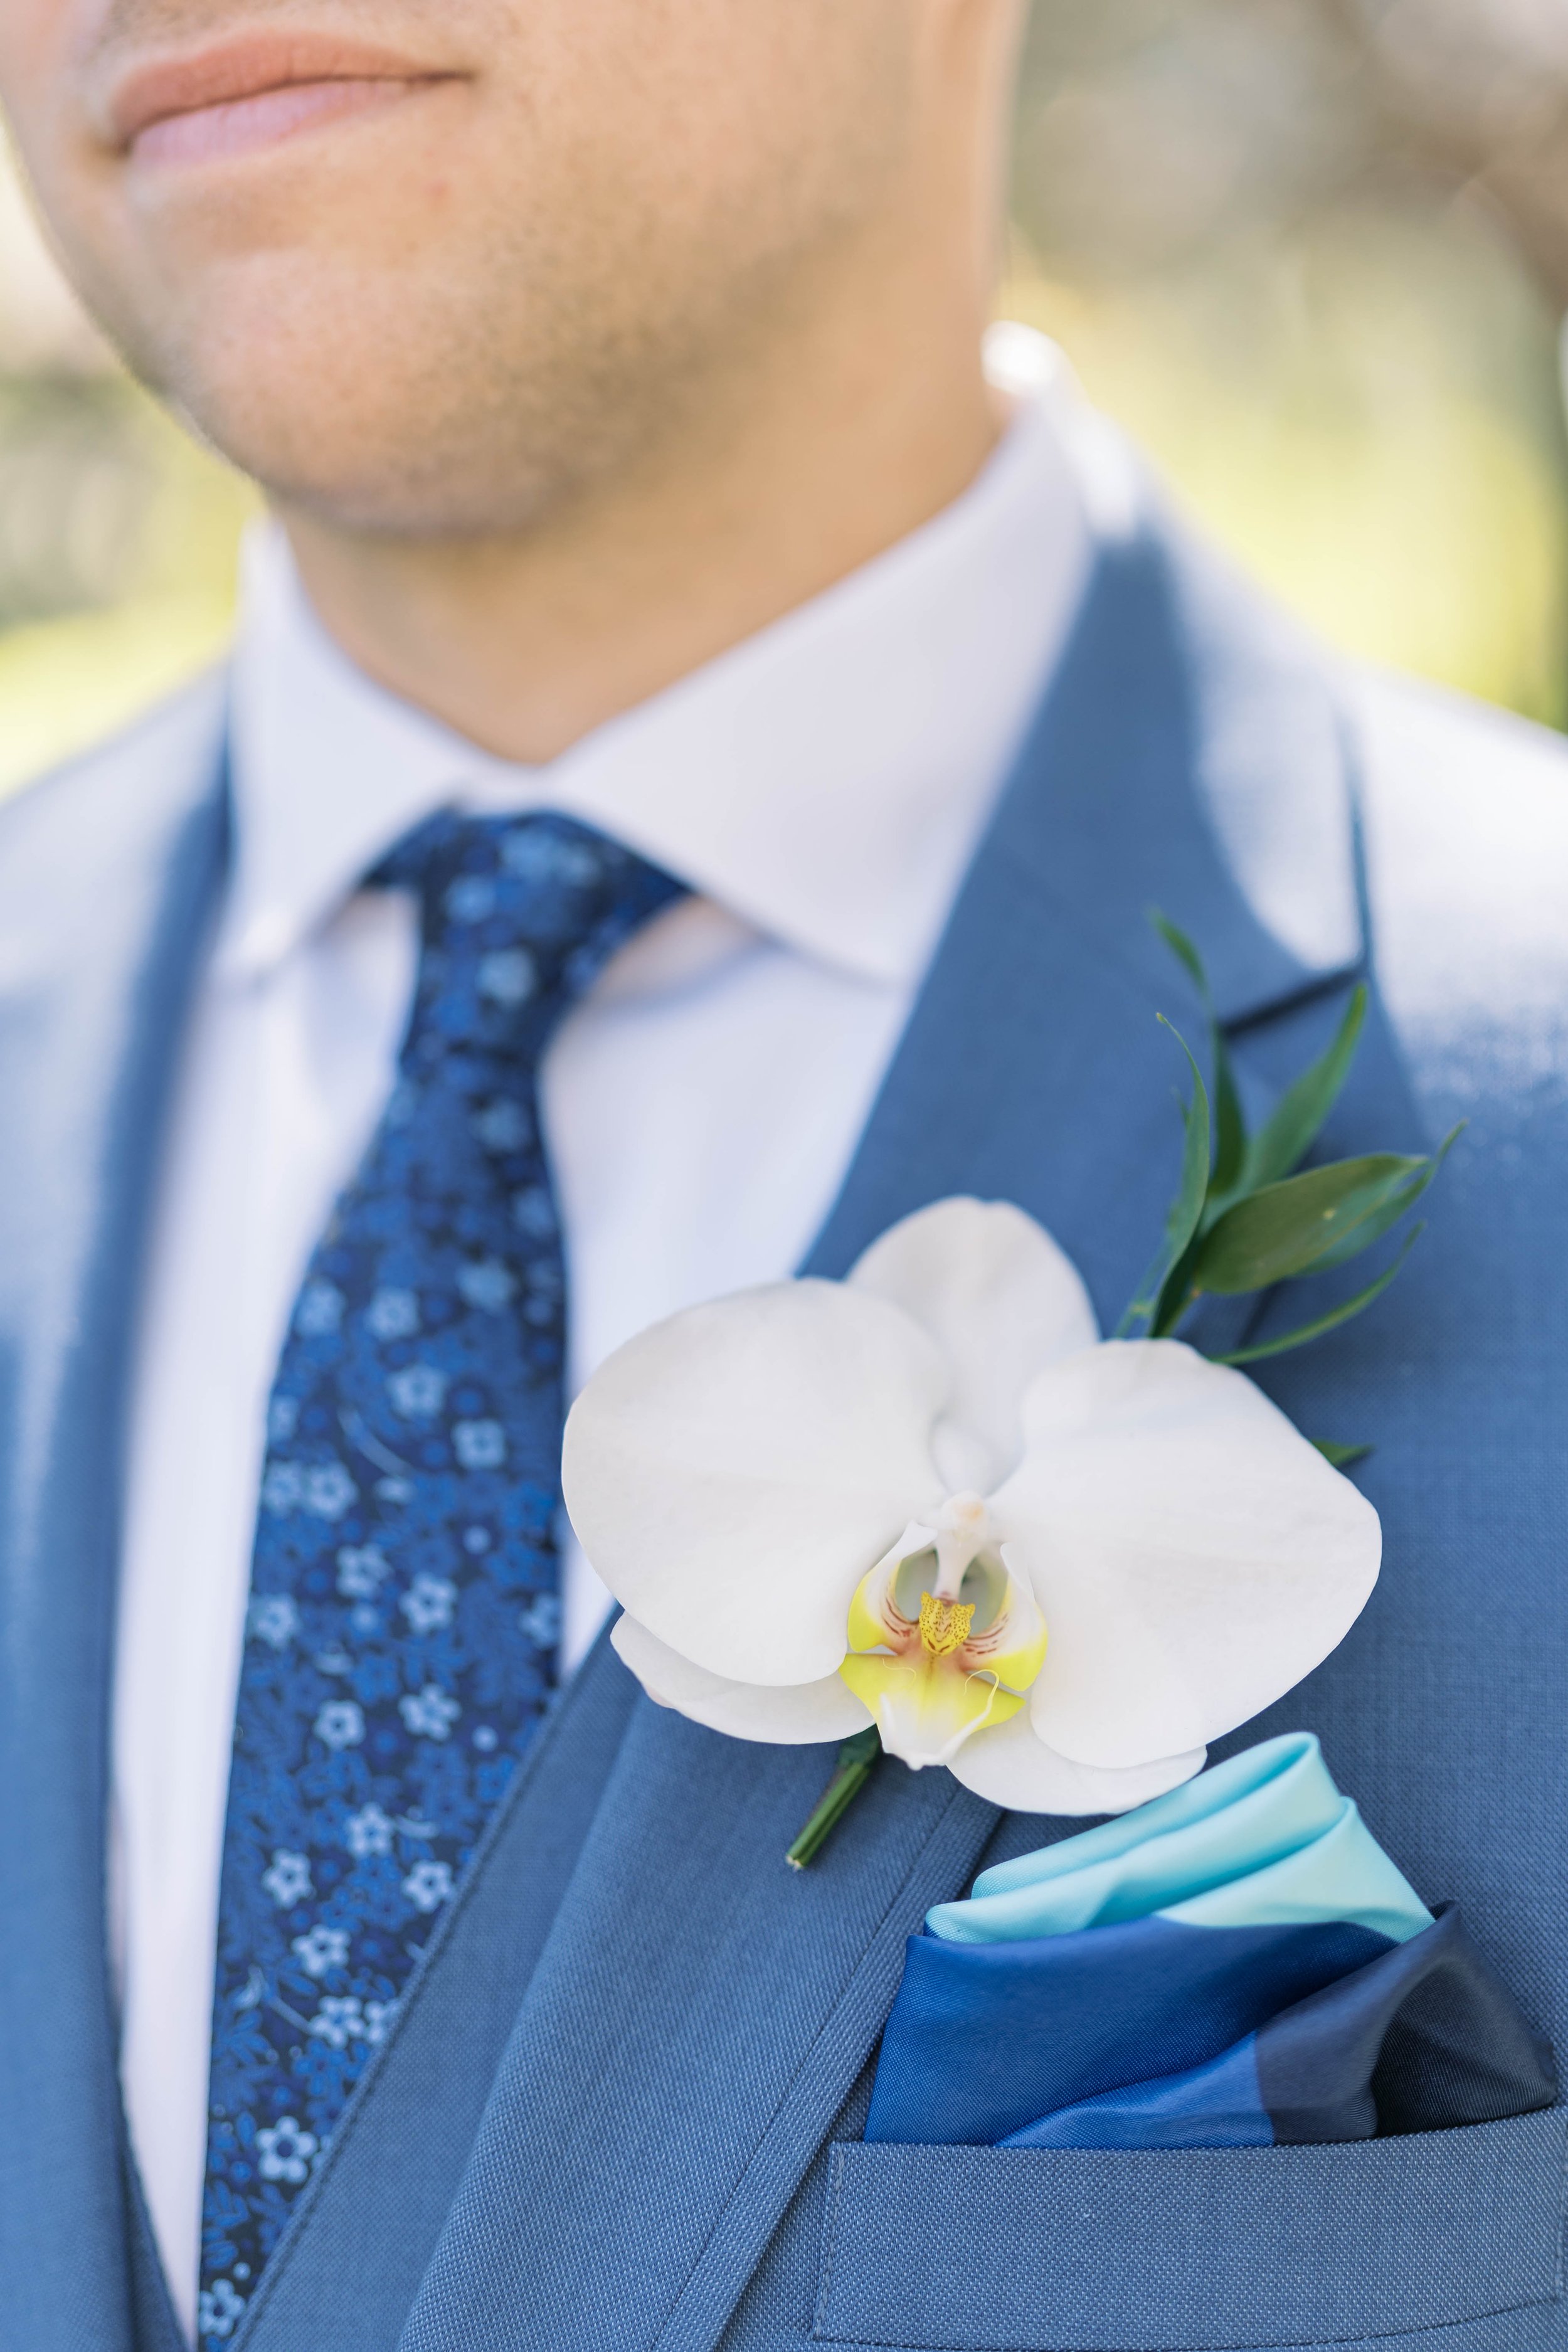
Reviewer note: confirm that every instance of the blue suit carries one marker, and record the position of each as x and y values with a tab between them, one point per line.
621	2108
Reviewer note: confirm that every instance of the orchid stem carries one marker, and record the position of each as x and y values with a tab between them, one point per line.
856	1759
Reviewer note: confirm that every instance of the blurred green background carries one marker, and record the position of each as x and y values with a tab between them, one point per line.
1312	252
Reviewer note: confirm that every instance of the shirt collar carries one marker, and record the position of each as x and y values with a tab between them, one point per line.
825	781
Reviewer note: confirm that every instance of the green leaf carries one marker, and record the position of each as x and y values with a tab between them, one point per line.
1332	1321
1187	1207
1230	1127
1143	1300
1176	1296
1183	951
1289	1134
1385	1218
1340	1456
1182	1226
1297	1226
1182	1221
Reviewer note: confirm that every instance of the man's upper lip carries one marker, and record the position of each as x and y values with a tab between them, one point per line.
243	67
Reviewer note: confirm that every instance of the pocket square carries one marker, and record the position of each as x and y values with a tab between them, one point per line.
1237	1965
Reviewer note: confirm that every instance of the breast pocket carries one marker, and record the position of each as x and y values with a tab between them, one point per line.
1206	2250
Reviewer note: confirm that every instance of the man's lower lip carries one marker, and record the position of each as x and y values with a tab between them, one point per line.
240	126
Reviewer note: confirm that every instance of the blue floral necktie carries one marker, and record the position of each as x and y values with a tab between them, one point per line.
403	1612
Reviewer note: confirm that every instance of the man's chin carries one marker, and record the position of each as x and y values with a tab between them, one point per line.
336	428
392	402
306	370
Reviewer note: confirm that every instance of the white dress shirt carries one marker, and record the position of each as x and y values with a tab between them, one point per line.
821	789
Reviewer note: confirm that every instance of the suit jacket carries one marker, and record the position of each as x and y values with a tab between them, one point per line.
622	2105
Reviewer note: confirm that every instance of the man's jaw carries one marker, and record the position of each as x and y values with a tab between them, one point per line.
234	96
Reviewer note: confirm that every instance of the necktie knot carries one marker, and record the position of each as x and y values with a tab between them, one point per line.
519	915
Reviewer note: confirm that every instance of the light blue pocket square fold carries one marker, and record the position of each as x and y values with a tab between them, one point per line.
1237	1964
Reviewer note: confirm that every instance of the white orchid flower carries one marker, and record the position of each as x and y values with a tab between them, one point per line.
931	1497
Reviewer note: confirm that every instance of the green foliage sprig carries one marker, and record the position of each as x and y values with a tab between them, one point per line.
1246	1215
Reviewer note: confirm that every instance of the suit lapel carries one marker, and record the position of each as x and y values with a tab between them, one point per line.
1034	1069
106	883
698	2013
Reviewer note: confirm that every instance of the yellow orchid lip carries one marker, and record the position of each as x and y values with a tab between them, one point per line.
934	1665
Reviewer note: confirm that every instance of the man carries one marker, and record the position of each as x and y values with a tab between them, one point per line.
677	675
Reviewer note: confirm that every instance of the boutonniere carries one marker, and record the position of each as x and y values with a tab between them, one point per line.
929	1511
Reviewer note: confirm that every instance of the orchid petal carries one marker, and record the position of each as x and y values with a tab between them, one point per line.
1194	1556
732	1473
797	1715
1013	1767
1001	1300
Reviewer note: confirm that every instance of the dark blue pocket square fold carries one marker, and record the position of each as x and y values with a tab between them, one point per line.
1227	2013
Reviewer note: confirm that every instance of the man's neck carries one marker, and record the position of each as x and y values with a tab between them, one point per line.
791	469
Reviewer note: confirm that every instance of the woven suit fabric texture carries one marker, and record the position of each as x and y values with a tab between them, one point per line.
405	1612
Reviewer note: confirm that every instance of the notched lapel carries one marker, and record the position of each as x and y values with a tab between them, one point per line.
1033	1068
